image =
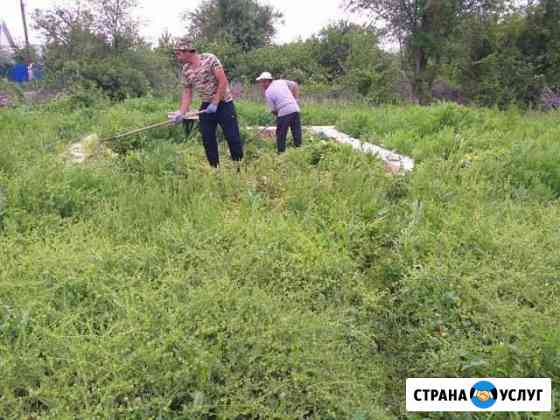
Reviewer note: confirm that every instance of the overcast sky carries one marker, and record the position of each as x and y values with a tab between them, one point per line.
302	18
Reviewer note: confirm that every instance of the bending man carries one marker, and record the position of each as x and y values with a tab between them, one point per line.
281	97
205	74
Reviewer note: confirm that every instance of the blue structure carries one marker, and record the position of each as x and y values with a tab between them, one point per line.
18	73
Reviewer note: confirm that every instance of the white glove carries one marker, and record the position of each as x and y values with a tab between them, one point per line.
175	117
211	109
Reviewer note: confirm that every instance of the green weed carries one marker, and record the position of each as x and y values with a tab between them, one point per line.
306	285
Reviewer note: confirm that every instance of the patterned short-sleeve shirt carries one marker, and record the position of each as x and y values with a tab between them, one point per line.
202	78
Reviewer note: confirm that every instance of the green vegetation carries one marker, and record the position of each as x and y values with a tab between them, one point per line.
310	285
96	45
488	53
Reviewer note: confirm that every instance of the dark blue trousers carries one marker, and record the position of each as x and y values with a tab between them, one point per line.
226	117
291	121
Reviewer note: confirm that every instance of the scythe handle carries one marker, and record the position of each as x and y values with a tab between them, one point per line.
190	116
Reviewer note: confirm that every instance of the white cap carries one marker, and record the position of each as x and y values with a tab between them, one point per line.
264	76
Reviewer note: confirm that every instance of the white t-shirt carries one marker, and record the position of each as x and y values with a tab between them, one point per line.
280	99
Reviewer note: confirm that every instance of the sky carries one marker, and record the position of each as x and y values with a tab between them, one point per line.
302	18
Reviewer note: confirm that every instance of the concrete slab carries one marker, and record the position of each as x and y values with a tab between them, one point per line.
394	162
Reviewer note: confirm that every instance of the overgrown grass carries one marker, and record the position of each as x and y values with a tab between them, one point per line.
310	285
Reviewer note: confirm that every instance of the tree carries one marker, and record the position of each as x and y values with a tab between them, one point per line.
245	23
166	41
508	57
492	61
82	26
421	27
294	61
337	42
69	30
540	42
115	21
350	57
96	43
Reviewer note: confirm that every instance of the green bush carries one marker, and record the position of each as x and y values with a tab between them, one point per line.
292	61
117	79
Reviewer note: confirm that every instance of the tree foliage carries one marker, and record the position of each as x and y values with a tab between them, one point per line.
491	52
342	57
422	27
77	25
335	43
115	21
97	42
293	61
69	31
245	23
350	55
510	58
540	41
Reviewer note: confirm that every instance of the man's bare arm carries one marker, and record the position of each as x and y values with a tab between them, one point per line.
186	100
295	90
222	85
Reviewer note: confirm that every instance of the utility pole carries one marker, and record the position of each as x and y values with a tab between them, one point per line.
27	50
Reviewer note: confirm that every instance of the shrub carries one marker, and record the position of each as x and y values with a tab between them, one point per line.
117	79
